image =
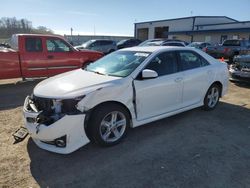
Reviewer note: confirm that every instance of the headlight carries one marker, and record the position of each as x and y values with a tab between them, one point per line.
69	105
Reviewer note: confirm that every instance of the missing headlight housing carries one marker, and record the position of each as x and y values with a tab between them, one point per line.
54	109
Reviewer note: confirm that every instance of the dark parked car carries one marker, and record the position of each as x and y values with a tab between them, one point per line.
228	49
239	70
159	42
128	43
102	45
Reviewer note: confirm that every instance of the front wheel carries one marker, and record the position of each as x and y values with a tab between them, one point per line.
212	97
109	124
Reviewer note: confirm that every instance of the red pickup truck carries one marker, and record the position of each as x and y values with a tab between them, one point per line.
33	55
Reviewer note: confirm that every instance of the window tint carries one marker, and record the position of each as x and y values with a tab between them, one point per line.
33	44
231	43
57	45
190	60
106	42
172	44
245	43
163	64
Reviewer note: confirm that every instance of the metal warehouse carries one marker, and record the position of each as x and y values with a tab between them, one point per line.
213	29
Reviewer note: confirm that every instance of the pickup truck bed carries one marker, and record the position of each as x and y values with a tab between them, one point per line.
9	63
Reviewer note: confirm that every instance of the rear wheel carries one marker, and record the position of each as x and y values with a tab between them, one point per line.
212	97
109	124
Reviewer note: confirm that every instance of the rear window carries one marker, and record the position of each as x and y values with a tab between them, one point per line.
33	44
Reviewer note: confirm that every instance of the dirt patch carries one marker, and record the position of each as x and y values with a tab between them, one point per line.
192	149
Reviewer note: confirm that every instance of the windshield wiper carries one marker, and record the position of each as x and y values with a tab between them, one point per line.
97	72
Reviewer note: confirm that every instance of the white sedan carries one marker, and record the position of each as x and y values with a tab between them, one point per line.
127	88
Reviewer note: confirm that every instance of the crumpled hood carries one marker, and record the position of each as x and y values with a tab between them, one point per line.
73	84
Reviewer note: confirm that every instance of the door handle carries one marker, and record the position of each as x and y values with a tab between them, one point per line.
50	56
178	79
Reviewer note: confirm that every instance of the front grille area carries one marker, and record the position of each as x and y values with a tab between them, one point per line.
43	104
51	111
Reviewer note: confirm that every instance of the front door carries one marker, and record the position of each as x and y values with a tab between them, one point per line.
33	58
60	57
162	94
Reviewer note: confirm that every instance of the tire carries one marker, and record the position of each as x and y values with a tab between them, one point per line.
230	60
212	97
103	126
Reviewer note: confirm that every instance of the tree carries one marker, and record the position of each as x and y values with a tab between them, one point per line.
10	26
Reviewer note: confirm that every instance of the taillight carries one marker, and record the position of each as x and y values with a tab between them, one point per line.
204	49
226	50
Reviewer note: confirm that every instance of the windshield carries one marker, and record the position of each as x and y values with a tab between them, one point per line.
121	42
194	44
120	63
145	43
86	44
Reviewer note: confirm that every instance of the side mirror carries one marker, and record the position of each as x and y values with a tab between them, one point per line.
147	74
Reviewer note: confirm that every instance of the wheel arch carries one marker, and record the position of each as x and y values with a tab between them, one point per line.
90	112
219	84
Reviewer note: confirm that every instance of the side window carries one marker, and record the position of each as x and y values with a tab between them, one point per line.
57	45
190	60
106	42
165	63
96	44
33	44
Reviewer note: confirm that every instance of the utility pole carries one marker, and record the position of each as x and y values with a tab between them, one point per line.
71	31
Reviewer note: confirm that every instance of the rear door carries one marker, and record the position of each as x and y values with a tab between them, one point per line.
60	56
33	57
197	74
162	94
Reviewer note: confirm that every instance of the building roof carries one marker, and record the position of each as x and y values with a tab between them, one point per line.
210	30
182	18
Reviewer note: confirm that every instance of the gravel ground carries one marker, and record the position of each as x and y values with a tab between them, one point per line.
192	149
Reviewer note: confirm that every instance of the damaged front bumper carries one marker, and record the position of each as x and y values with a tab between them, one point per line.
239	76
64	136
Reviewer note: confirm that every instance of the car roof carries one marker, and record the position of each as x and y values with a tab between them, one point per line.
169	42
152	49
159	49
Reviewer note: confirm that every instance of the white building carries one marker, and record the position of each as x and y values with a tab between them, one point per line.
213	29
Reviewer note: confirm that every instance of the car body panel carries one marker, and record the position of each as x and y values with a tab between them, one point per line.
167	91
69	125
146	100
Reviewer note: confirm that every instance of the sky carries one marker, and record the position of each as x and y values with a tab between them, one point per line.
115	17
